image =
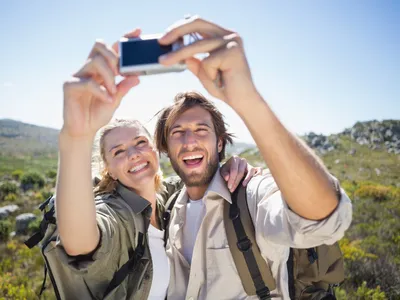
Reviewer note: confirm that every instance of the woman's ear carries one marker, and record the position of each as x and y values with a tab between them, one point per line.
111	175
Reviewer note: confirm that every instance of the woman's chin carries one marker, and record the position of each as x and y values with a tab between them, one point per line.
144	182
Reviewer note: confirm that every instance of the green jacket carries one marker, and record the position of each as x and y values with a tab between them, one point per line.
120	216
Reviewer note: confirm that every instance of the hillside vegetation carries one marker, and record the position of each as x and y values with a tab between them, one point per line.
365	158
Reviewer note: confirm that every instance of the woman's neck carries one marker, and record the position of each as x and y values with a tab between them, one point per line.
151	196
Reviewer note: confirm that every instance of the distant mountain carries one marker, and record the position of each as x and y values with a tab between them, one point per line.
21	139
18	138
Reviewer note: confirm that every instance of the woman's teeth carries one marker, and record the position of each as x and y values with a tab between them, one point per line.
138	168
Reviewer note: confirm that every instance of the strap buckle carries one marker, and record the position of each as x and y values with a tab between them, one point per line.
264	293
244	245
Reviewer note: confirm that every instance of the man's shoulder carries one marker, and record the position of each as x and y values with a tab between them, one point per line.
262	183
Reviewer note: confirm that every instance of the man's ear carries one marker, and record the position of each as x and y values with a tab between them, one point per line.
220	144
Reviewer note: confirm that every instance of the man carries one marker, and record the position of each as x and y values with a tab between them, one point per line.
296	204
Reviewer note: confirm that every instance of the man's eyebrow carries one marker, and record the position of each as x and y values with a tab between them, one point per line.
204	124
117	146
197	124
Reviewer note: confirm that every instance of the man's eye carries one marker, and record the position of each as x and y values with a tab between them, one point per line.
177	132
141	143
202	131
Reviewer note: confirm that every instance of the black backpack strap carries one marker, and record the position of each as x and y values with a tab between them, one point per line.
129	267
312	255
48	218
44	281
167	214
250	261
290	268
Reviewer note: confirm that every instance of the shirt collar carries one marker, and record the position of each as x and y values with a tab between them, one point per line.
216	189
136	202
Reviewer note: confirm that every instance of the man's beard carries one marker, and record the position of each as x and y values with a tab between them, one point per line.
197	179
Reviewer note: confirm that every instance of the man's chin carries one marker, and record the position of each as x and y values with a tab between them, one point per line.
192	180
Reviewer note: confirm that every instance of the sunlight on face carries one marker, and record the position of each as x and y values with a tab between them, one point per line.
193	147
131	157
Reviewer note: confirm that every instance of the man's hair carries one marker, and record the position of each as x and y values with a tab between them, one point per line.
182	103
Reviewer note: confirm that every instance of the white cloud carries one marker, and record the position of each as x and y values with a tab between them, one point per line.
8	84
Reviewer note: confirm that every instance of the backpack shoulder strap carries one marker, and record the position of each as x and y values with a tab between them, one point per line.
167	214
253	270
48	217
135	254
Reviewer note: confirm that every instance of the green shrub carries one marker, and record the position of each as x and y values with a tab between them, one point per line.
32	180
21	272
363	292
34	226
5	229
17	174
352	250
11	197
46	194
8	188
51	174
376	192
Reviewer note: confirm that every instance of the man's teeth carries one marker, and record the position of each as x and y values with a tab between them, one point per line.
138	168
193	157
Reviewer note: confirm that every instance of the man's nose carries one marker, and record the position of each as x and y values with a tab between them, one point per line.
189	138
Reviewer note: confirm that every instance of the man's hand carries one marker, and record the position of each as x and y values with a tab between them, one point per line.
226	59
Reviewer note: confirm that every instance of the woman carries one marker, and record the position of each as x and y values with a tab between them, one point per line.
97	238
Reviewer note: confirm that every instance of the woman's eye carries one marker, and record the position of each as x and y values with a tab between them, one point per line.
142	142
118	152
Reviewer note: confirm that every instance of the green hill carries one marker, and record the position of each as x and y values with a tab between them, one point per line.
26	147
365	158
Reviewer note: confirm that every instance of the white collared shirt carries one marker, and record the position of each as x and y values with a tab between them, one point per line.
212	273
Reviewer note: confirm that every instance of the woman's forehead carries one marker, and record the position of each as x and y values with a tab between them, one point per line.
121	135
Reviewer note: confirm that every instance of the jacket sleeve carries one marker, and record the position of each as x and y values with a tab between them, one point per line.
106	254
171	185
275	221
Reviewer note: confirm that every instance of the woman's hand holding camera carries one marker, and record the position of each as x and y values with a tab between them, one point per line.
91	96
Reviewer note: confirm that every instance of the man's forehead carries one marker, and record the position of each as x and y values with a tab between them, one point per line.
192	116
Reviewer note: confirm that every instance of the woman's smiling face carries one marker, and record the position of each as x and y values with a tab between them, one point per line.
131	157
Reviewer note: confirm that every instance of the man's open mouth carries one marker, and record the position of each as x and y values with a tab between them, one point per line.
193	160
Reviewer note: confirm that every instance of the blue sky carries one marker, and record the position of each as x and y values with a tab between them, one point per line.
321	65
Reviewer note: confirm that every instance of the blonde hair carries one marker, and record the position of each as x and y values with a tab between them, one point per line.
99	164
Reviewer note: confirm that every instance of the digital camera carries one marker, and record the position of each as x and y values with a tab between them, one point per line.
139	56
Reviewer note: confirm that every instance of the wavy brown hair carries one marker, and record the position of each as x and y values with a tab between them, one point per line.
183	102
99	165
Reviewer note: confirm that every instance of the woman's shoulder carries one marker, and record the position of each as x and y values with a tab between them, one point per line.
111	203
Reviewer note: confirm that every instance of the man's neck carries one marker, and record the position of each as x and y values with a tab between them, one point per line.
196	192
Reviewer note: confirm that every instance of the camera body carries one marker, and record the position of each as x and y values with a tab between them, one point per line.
139	56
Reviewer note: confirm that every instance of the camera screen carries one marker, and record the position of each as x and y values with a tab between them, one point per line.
140	52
